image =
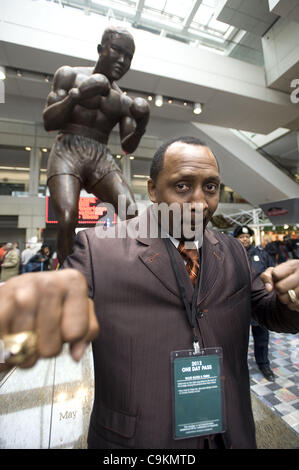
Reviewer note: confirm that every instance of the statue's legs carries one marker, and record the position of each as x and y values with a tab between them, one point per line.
110	187
65	192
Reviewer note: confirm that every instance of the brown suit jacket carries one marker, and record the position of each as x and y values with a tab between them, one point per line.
142	319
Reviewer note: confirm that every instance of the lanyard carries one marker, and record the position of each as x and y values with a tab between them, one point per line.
190	309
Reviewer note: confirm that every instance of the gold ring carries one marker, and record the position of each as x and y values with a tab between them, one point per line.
19	347
293	296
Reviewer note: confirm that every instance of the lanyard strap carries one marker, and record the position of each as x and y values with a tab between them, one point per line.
190	309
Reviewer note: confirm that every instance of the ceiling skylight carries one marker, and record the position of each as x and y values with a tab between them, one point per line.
192	21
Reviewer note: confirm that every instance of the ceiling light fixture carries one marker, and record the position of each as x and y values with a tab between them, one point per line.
28	149
159	101
19	74
2	73
132	157
118	156
197	108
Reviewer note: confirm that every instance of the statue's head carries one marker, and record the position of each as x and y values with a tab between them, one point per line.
116	52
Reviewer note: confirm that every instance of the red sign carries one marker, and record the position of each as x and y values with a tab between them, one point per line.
276	211
89	212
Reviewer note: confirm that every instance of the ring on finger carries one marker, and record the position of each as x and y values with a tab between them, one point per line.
19	347
292	296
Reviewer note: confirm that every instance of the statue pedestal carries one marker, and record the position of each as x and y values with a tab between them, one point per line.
49	405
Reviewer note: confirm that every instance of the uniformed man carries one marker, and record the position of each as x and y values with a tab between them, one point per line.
260	261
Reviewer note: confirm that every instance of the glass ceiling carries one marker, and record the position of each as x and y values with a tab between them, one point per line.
190	21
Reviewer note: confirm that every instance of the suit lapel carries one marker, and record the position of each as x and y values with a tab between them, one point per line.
211	265
156	258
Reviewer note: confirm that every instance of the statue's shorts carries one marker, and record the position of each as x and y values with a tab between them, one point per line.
80	156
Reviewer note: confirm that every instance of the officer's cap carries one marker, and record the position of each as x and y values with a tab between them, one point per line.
242	229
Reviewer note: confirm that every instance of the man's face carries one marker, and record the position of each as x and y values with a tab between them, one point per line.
244	239
116	55
190	175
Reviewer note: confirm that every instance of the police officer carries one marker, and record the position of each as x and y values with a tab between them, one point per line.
260	261
295	248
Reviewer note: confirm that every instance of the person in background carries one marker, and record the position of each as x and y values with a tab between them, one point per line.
292	244
26	255
41	261
47	257
11	263
2	251
271	249
295	241
260	261
16	247
54	261
282	251
289	246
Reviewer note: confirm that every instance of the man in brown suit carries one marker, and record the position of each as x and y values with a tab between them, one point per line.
137	302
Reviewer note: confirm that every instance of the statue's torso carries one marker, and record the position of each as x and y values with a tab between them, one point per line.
99	112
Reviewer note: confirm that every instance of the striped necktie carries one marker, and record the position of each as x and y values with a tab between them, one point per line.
190	255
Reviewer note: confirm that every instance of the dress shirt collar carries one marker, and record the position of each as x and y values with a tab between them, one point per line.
176	242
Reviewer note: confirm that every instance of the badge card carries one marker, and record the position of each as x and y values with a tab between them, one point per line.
198	401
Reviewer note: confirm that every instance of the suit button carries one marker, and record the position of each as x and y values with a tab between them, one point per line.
200	313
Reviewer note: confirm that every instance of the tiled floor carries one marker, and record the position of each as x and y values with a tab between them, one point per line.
282	396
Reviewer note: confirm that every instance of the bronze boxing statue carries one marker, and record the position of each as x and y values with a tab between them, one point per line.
84	105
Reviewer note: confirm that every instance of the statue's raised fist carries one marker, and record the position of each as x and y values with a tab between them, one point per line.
139	108
97	84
